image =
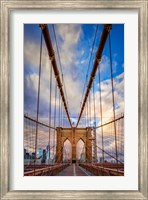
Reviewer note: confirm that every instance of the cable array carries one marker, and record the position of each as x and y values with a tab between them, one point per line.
107	133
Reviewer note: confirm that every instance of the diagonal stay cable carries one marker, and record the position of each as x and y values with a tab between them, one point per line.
63	80
93	45
109	154
52	58
104	36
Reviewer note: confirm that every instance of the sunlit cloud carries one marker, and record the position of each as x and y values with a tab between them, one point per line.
74	56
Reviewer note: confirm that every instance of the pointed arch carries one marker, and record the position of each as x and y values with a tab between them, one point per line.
80	150
67	150
65	139
81	139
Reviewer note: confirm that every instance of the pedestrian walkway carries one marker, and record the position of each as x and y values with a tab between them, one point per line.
73	170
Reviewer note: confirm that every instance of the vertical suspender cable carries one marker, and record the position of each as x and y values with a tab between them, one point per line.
63	82
27	133
87	114
90	108
101	115
122	139
38	102
50	111
32	138
113	100
55	117
61	114
103	39
51	54
62	103
59	110
30	133
95	150
94	104
92	50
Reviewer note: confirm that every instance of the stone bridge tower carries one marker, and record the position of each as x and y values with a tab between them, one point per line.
74	135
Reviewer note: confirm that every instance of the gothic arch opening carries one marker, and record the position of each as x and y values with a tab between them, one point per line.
80	151
67	151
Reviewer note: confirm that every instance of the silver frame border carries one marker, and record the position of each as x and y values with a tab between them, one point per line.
6	7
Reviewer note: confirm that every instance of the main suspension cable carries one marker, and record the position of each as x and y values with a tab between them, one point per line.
92	50
52	58
63	81
104	36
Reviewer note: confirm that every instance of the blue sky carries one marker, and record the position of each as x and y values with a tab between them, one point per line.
75	45
75	42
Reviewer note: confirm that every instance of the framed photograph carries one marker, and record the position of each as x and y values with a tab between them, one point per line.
74	99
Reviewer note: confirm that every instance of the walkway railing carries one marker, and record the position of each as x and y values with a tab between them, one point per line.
109	169
47	170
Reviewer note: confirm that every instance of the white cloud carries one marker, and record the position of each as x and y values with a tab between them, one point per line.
68	36
106	97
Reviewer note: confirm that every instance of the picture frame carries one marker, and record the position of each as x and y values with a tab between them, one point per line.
5	118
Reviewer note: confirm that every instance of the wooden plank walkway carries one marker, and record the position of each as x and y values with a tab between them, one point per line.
73	170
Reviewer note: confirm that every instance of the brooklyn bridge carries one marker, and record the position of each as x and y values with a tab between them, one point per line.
61	136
